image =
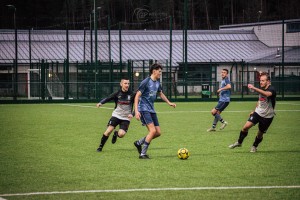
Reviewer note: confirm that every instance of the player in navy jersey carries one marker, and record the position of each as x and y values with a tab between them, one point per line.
144	108
224	100
122	114
263	114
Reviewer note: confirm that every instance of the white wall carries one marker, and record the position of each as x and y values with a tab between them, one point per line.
271	35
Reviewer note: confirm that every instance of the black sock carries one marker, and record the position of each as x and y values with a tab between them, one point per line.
257	141
103	141
116	133
242	136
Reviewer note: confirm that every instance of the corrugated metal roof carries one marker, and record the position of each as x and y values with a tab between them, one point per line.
203	46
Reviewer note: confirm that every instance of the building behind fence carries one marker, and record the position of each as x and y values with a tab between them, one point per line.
54	65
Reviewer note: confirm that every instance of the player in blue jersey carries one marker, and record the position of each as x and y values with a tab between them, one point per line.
144	108
224	93
122	113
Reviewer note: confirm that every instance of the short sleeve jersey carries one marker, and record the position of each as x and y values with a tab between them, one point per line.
266	105
149	90
225	94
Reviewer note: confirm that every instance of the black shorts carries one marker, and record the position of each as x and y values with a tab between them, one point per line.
263	123
123	124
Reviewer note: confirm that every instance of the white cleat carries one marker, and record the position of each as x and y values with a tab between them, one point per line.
253	149
211	129
236	144
224	125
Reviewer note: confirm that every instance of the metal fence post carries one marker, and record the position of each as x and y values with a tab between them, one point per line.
43	80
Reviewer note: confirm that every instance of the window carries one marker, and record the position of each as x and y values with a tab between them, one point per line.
5	67
196	73
6	80
293	27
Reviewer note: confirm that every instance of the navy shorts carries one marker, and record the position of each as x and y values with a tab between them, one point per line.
148	118
123	124
221	106
263	123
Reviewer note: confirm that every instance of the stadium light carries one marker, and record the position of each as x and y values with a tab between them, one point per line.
277	53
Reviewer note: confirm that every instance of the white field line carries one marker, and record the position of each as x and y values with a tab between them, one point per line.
152	189
81	106
180	111
227	111
294	104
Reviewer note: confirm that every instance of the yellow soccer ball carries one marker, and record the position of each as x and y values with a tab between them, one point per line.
183	153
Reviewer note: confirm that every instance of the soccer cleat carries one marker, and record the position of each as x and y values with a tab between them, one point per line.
114	137
144	156
139	147
236	144
253	149
211	129
224	125
99	149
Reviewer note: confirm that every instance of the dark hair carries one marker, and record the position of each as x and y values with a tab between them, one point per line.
266	74
155	67
125	78
225	70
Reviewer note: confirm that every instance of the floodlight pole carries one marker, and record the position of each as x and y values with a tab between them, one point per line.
282	59
170	76
96	41
185	47
16	51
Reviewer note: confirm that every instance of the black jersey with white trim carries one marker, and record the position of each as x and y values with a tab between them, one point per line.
123	103
266	105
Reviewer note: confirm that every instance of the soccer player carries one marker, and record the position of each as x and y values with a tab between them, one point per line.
144	108
224	93
122	114
263	114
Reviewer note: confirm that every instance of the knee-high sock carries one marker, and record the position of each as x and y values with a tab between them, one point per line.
215	122
218	116
142	141
103	141
242	136
257	141
145	148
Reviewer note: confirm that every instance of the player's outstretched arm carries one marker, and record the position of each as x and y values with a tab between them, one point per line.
263	92
163	97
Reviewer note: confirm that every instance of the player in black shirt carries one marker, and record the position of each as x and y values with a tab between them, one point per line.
263	114
122	114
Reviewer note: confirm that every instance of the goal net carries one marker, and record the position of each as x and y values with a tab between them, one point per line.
54	88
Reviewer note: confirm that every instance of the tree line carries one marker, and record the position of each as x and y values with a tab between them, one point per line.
144	14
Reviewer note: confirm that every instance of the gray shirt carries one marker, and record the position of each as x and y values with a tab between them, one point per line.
266	105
